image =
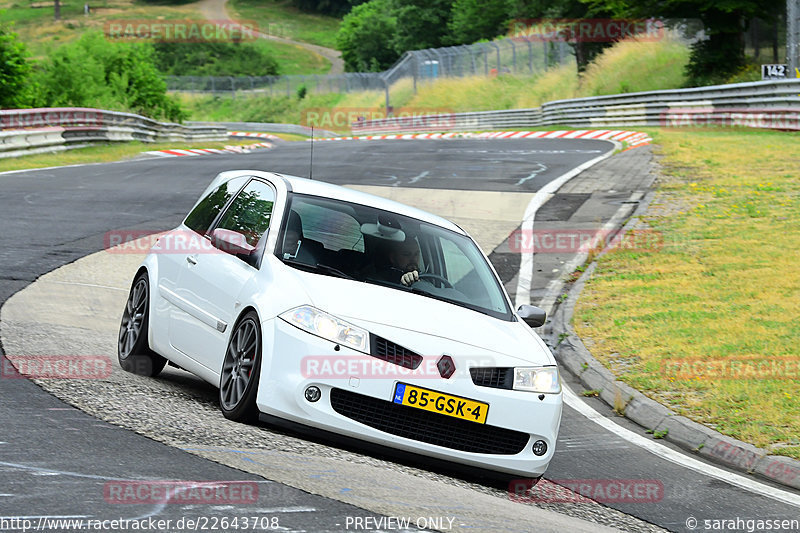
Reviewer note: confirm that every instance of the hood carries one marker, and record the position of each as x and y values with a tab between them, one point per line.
395	313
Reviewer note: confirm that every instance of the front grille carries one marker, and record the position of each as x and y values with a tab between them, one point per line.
495	377
394	353
426	426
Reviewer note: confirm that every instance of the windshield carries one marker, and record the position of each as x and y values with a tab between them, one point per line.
353	241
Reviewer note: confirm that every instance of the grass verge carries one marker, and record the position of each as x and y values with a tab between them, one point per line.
102	153
41	34
281	19
690	323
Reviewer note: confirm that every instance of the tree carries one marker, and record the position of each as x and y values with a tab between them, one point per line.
95	72
335	8
214	59
421	23
365	37
14	72
473	20
585	52
712	60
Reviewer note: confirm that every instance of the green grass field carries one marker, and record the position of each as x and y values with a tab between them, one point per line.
40	33
723	289
279	18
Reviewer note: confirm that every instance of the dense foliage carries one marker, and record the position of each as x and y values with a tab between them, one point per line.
14	71
715	59
96	72
214	59
419	24
366	35
327	7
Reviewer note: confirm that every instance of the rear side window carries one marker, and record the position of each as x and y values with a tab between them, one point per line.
205	212
335	229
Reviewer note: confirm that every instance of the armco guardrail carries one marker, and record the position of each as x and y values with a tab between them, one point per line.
26	131
271	127
767	104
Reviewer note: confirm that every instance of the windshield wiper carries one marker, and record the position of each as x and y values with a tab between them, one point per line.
319	267
335	271
435	296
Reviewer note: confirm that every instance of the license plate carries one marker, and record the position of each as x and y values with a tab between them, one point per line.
439	402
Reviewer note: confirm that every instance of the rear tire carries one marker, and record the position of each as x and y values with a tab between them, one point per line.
133	351
241	369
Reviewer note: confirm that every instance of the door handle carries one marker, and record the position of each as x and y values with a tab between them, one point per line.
192	260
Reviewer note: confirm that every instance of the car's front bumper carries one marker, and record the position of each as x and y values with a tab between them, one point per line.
357	397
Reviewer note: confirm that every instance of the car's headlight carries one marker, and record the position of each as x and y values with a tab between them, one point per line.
328	327
537	379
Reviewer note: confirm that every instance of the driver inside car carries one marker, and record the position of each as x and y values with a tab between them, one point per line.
395	261
404	257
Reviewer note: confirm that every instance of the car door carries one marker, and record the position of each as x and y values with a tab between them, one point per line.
210	284
175	247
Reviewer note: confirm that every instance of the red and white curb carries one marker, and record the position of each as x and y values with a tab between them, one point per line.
207	151
253	134
630	138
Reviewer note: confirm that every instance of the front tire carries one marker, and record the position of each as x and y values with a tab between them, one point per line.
133	352
241	369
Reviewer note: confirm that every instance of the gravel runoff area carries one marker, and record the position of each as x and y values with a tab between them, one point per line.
76	309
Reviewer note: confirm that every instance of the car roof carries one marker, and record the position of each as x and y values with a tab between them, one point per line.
328	190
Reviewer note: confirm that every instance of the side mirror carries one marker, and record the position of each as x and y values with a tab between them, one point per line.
532	315
231	242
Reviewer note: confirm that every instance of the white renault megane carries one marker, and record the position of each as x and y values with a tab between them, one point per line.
320	305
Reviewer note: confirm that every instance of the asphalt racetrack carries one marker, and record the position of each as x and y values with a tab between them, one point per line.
55	460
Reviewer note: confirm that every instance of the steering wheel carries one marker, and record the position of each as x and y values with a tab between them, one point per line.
438	278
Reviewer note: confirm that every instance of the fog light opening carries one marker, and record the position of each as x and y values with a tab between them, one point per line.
539	448
313	394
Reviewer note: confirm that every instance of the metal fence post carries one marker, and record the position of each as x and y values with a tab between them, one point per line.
793	36
513	56
530	56
415	70
454	61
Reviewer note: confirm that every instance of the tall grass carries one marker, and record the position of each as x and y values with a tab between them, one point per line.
627	66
